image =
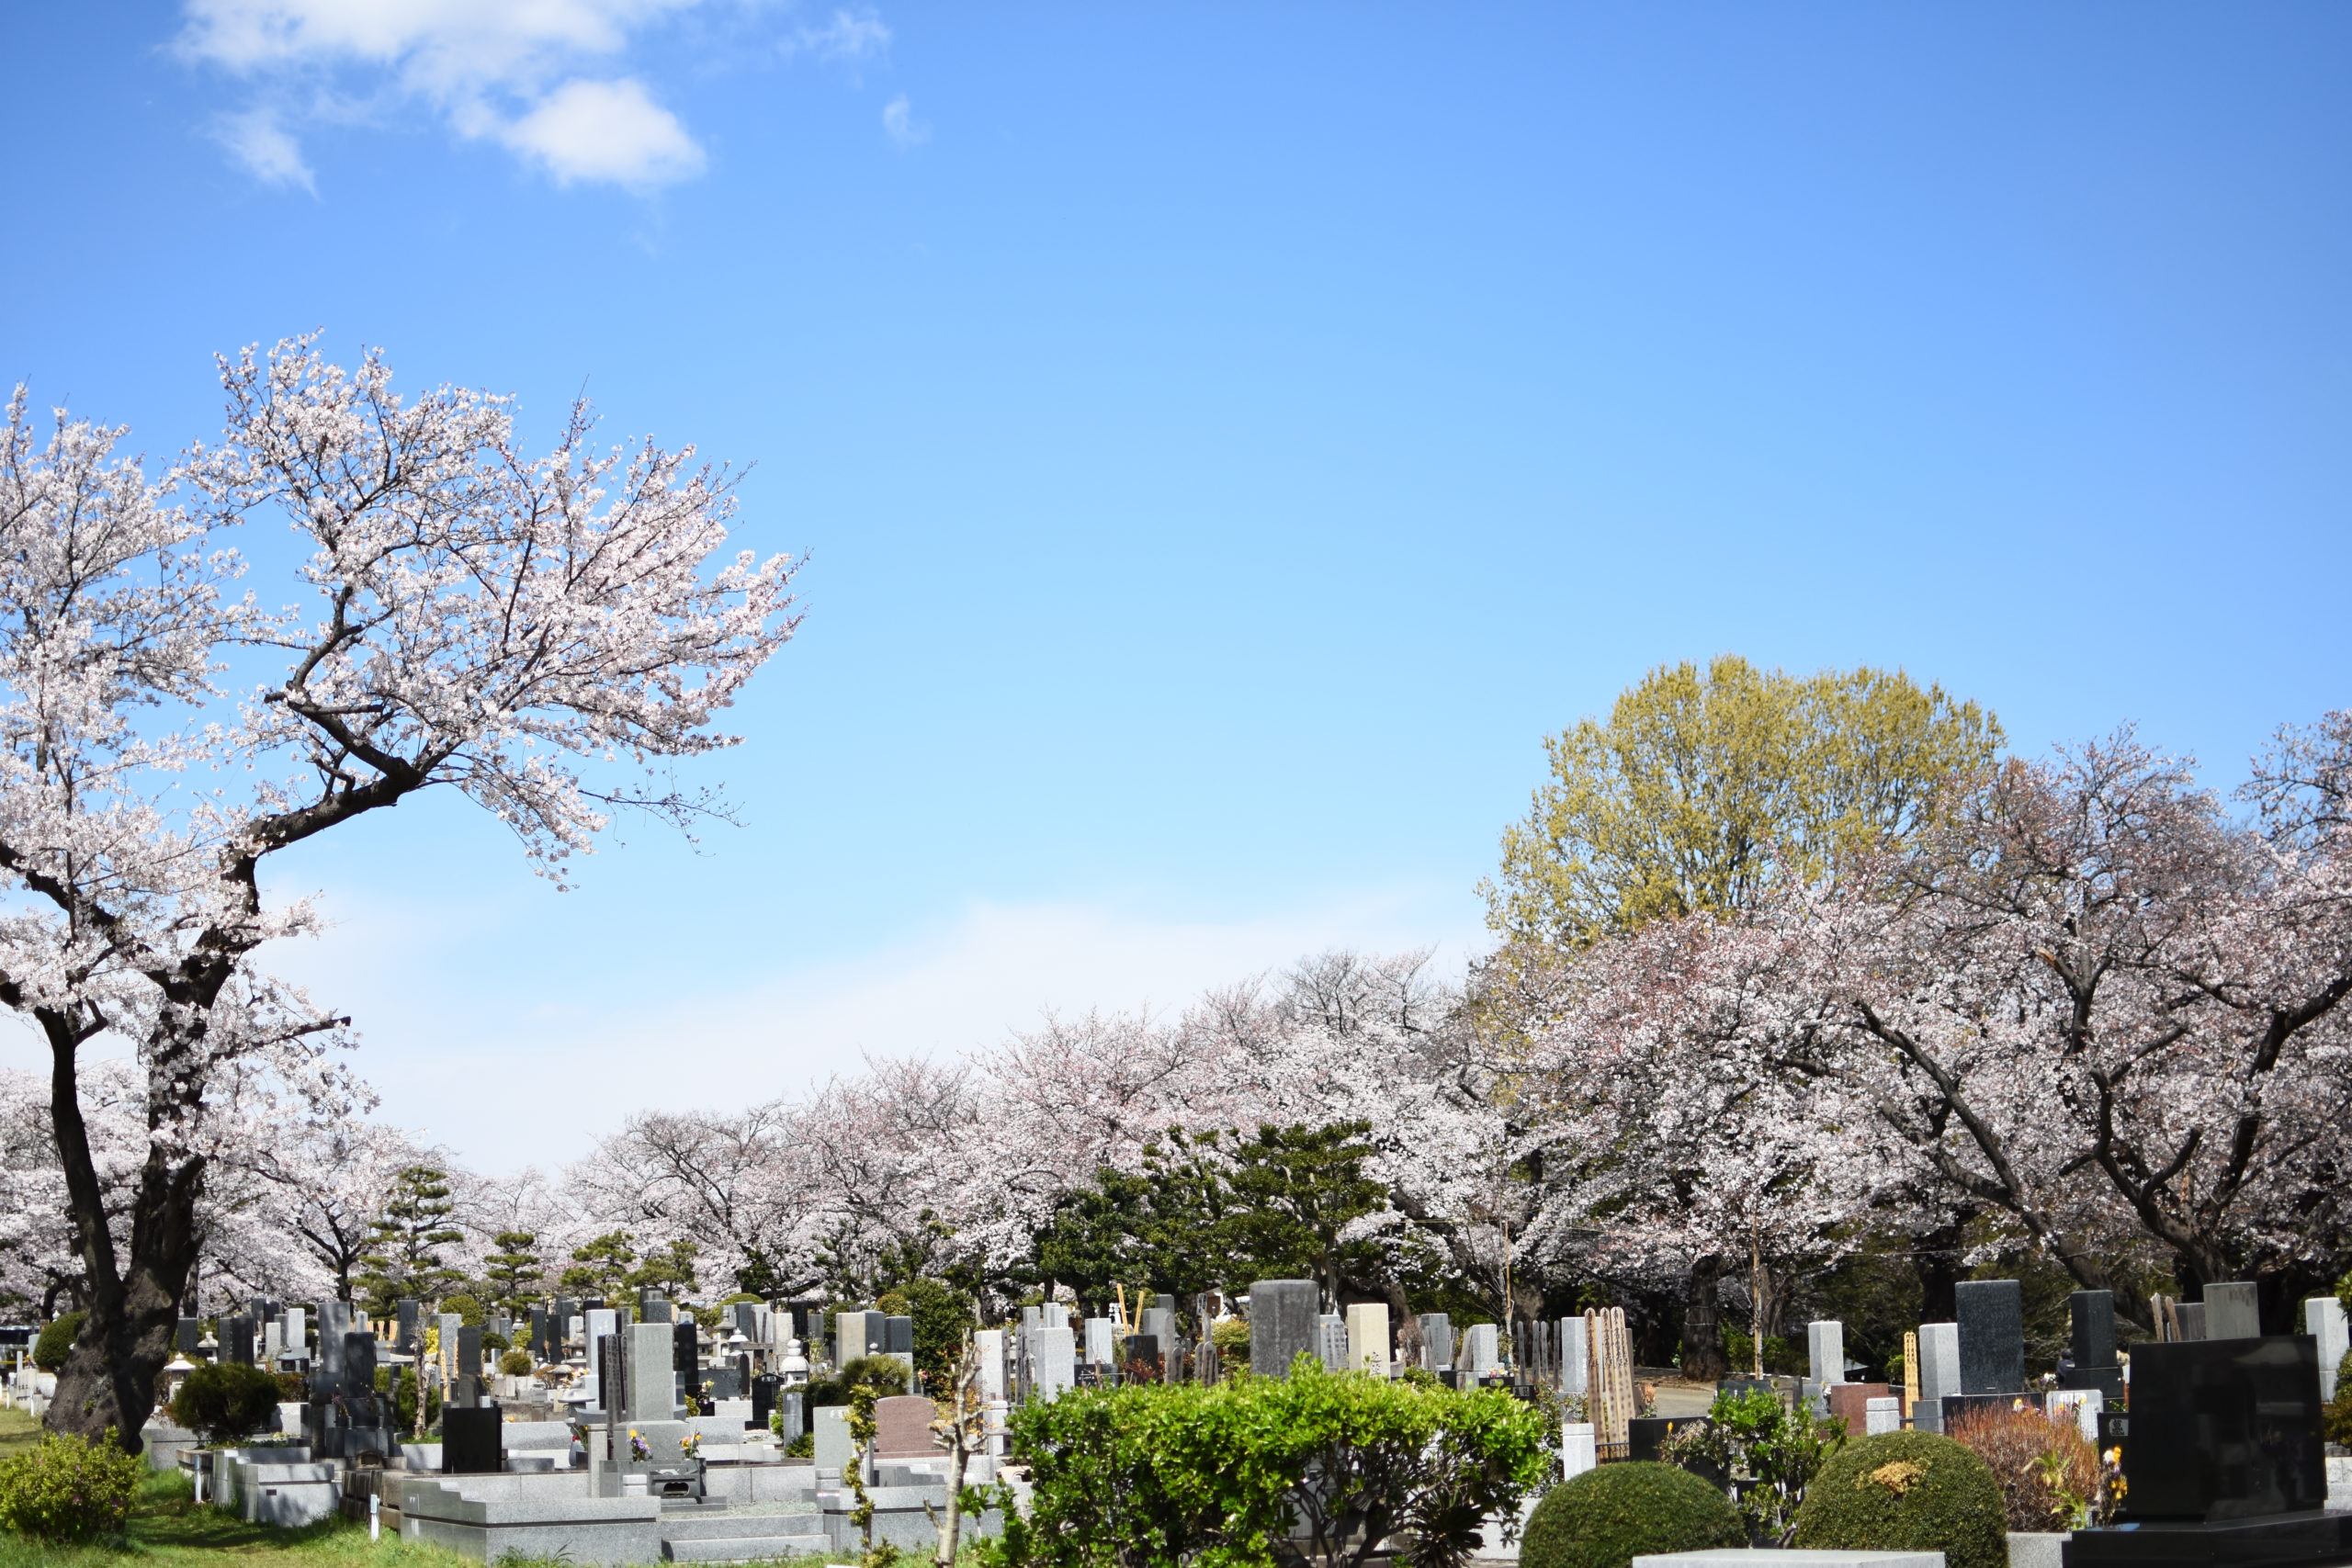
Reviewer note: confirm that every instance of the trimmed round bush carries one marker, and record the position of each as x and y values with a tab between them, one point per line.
56	1342
69	1489
225	1401
516	1363
1606	1518
1907	1492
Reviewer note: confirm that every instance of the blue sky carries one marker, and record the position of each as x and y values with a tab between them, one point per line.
1228	439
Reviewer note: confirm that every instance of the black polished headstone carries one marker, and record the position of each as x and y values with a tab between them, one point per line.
723	1382
1140	1360
1284	1325
237	1339
2092	1363
470	1441
899	1336
1991	1314
468	1349
765	1389
2225	1430
406	1313
358	1362
191	1335
685	1354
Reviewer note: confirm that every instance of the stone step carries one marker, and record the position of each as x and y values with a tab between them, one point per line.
733	1526
745	1549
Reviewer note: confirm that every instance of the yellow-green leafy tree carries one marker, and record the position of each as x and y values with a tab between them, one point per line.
1705	789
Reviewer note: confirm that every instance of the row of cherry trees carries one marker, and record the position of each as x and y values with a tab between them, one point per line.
2093	1013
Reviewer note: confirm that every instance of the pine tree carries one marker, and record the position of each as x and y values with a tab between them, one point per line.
404	1258
513	1269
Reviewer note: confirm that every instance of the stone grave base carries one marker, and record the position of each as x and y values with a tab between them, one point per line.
1750	1557
2038	1548
2317	1538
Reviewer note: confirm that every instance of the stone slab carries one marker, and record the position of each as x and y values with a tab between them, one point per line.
1991	1336
1283	1323
2233	1311
1752	1557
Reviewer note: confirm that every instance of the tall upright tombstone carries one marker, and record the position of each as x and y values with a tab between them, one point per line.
849	1337
1991	1336
1368	1338
600	1324
1938	1374
1481	1350
1053	1356
1282	1315
1437	1342
2323	1320
1160	1322
1576	1353
686	1352
652	1377
2233	1311
897	1336
1099	1350
406	1313
1825	1344
1331	1340
2091	1318
358	1364
2190	1318
294	1338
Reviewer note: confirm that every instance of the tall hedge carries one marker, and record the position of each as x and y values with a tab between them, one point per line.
1606	1518
1907	1492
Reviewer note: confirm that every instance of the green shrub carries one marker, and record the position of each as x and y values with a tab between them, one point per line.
1173	1473
1231	1337
1907	1492
467	1309
2340	1411
69	1489
225	1401
516	1363
56	1342
886	1375
1778	1449
494	1343
1606	1518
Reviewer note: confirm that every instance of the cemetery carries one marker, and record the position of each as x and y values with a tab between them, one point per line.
1278	787
640	1436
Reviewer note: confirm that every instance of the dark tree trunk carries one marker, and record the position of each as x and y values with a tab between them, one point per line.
1655	1328
1703	1340
108	1379
1936	1259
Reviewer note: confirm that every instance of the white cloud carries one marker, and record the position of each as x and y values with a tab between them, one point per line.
898	122
521	1060
522	72
605	130
849	36
258	142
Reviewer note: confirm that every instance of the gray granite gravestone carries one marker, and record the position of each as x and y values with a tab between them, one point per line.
1481	1350
1098	1342
2191	1318
651	1379
1825	1344
1160	1322
1436	1341
1053	1356
599	1325
2323	1320
833	1444
1938	1373
1282	1323
655	1309
1575	1356
1991	1336
2232	1311
1331	1340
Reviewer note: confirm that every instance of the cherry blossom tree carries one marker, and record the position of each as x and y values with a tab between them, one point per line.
515	627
